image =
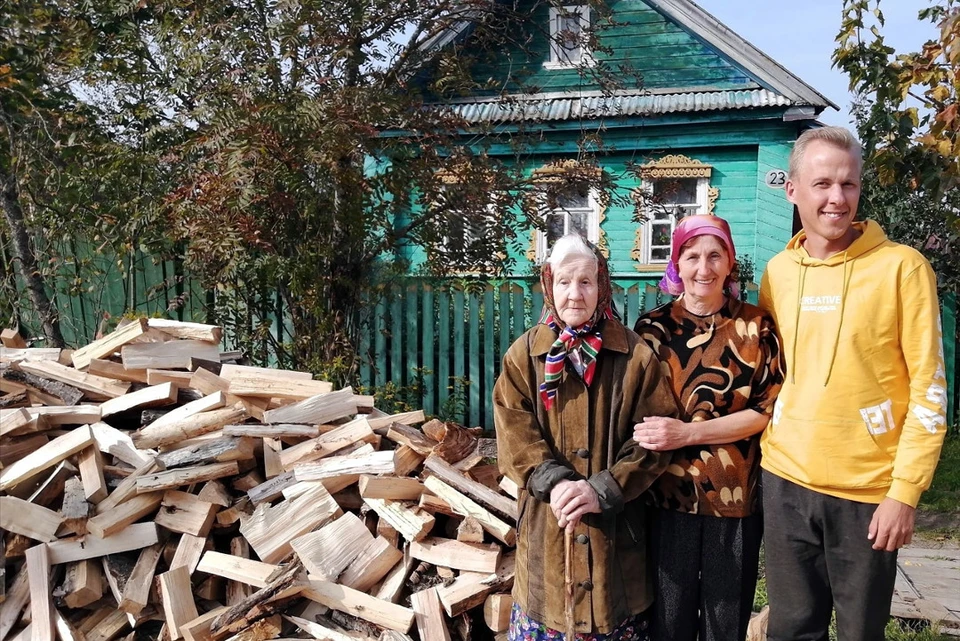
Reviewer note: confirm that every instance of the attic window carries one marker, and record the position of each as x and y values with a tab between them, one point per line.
568	30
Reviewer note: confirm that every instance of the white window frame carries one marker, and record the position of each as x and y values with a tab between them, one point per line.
492	212
593	223
703	204
556	57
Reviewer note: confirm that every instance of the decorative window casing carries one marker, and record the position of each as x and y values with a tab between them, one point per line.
673	187
463	235
569	26
566	205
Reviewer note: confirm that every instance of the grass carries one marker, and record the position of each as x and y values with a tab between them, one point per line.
943	497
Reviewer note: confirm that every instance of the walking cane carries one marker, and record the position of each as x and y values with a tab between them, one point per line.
568	614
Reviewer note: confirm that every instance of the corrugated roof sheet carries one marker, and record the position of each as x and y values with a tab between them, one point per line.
539	109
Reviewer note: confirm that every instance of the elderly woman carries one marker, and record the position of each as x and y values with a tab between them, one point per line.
571	392
722	359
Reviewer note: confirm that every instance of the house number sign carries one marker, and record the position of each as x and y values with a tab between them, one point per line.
776	178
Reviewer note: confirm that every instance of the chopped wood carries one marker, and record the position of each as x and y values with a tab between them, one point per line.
317	630
119	444
90	464
261	630
112	521
168	355
97	387
496	611
266	383
17	447
326	444
470	589
108	344
327	552
81	585
185	513
136	593
237	591
154	396
206	382
187	427
411	437
322	408
16	600
509	487
66	415
75	510
238	569
334	466
465	506
41	605
46	457
429	614
178	605
234	513
371	565
64	629
133	537
178	378
52	392
248	481
471	557
270	528
127	488
476	491
12	338
286	582
470	531
435	504
173	479
109	626
456	443
271	457
368	608
23	517
279	430
185	330
381	423
215	492
15	355
413	524
393	635
488	475
117	569
384	529
272	489
220	450
112	369
14	419
382	487
189	550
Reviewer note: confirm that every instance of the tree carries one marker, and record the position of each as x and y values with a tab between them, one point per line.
906	116
296	153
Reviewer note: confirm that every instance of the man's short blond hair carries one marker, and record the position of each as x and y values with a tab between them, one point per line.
839	137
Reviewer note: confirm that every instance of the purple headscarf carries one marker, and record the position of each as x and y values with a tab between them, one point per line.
691	227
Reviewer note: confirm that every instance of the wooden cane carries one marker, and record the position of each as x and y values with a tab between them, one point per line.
568	612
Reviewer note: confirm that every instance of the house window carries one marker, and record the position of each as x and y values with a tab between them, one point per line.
672	188
568	28
567	203
468	230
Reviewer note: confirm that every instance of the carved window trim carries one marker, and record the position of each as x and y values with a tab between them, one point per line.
553	173
671	167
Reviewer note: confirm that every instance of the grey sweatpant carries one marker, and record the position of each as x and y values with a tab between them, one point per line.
818	558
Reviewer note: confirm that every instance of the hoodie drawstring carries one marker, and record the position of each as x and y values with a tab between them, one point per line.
792	365
843	304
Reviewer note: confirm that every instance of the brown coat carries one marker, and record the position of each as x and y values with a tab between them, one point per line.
587	434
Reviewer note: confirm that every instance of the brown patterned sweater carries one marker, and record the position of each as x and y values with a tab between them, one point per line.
717	365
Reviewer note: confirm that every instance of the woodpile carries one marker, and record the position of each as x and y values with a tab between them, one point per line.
152	487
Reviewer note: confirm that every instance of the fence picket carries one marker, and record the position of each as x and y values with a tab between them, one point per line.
489	358
429	378
458	343
444	351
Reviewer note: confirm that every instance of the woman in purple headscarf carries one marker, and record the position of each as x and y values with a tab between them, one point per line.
722	359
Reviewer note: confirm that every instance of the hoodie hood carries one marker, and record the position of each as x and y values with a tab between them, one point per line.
871	236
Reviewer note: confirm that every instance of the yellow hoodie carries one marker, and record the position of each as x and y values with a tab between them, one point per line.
862	412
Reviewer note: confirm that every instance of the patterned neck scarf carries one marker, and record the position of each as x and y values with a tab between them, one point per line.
581	345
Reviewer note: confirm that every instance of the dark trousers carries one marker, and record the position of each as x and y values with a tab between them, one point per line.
818	558
705	575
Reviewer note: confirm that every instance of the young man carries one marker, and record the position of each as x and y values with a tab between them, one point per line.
857	429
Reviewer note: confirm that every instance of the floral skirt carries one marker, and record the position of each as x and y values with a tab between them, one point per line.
523	628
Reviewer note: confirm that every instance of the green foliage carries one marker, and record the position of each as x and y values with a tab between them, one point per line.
906	116
944	493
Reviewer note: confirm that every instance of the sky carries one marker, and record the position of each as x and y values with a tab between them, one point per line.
800	36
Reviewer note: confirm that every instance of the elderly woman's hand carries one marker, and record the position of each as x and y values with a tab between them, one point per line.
660	433
570	500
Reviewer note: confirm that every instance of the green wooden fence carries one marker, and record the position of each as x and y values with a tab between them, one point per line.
444	344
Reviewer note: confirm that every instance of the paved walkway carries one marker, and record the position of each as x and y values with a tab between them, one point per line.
928	586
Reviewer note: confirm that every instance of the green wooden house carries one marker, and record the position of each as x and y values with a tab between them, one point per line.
714	119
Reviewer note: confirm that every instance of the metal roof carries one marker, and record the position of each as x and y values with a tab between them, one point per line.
556	107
